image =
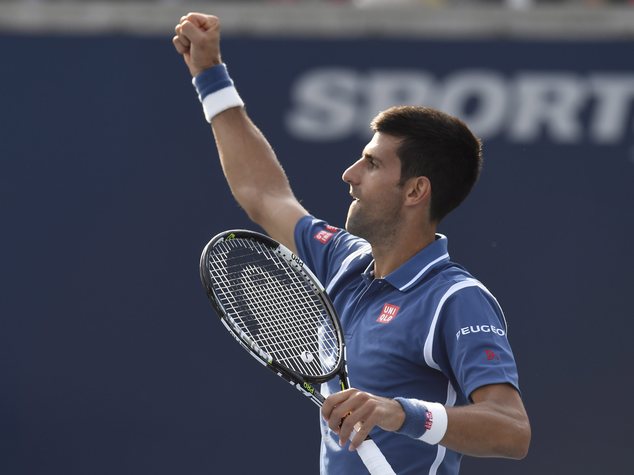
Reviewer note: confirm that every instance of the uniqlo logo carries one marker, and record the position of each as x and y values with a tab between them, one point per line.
388	313
323	236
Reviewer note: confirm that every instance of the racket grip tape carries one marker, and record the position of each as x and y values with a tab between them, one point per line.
373	459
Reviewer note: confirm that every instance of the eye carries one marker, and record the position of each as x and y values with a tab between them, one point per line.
371	163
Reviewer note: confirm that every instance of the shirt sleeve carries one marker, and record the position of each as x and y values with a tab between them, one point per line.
323	247
475	342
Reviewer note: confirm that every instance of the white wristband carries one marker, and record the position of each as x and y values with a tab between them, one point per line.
438	426
216	102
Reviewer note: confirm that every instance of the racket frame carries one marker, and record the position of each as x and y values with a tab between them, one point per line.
305	384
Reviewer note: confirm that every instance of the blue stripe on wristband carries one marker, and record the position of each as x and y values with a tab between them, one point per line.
216	91
212	80
415	417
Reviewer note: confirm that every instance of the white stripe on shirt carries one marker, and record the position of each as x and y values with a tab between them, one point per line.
346	263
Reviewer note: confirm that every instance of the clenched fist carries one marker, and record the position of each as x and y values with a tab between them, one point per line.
197	38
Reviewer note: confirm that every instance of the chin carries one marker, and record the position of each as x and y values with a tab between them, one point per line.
355	230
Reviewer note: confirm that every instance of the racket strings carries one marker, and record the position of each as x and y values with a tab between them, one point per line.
267	305
282	333
287	324
274	306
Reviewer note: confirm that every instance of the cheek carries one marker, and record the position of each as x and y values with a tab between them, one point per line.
390	198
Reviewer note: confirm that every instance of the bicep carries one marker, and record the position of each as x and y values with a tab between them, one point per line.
503	397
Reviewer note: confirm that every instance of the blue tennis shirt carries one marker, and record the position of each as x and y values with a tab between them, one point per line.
428	330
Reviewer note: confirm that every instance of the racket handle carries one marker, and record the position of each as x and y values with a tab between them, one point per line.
374	459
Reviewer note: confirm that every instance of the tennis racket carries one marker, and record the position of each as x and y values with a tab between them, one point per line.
280	313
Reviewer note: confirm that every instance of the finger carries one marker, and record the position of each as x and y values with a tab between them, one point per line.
346	430
204	22
350	422
182	38
178	29
191	16
344	418
339	415
191	32
180	47
362	430
177	44
356	422
332	402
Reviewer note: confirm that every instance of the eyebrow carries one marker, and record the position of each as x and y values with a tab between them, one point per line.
372	157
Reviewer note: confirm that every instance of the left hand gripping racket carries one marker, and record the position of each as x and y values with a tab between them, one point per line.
280	313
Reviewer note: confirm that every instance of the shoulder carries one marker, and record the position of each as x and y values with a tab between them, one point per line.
329	251
451	279
463	302
316	235
452	290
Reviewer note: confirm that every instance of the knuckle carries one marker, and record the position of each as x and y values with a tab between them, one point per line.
361	399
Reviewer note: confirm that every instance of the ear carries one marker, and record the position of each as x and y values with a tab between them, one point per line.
418	191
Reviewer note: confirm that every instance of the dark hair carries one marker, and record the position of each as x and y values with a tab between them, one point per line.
438	146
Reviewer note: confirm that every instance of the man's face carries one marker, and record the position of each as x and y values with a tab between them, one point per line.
374	185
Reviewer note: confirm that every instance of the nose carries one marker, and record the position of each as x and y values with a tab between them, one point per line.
350	174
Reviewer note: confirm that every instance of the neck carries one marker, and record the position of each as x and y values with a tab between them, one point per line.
389	256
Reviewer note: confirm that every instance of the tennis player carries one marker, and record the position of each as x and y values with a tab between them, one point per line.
430	364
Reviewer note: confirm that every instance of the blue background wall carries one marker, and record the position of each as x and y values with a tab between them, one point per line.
111	359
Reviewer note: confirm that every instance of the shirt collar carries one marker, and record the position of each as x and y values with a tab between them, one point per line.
418	266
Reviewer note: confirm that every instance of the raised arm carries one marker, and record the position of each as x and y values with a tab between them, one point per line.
251	168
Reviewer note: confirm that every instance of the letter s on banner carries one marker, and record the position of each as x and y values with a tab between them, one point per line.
324	105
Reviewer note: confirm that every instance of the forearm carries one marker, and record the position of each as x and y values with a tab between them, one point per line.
495	425
253	173
485	430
